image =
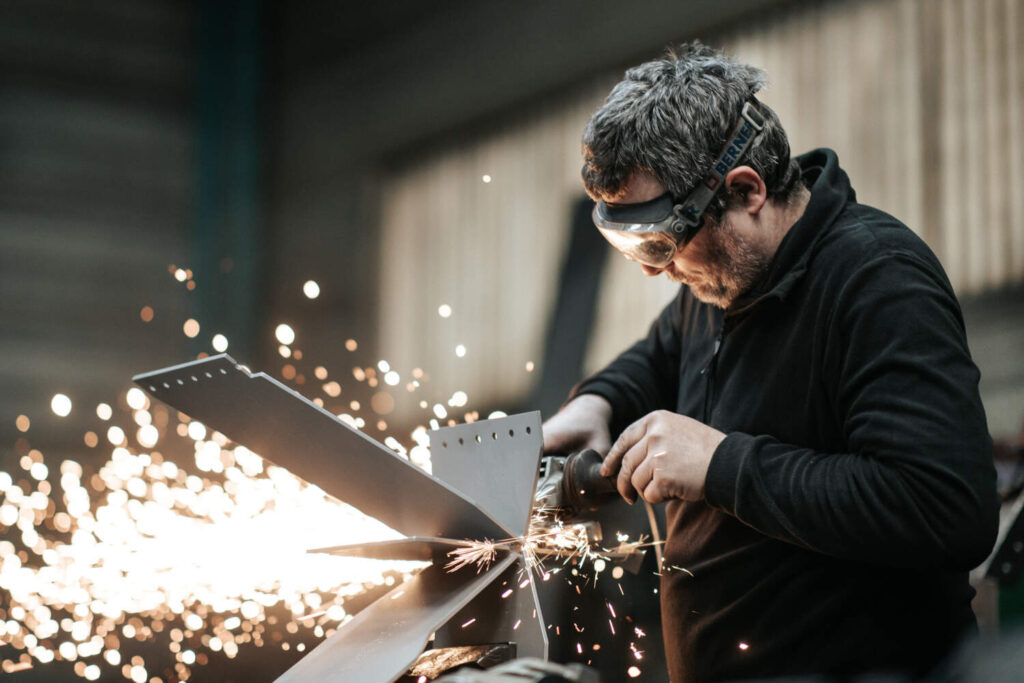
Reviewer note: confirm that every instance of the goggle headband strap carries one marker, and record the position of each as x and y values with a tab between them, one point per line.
751	123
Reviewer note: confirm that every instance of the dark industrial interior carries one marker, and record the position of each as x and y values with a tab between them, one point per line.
168	163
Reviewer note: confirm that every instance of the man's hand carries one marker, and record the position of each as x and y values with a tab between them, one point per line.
663	455
580	424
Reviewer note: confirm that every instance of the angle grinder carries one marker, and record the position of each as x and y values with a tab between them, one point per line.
572	484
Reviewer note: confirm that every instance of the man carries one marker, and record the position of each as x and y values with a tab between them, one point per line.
807	405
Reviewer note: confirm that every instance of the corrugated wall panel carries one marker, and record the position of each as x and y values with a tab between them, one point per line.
922	100
96	137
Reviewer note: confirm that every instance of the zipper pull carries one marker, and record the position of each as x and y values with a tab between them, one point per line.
714	352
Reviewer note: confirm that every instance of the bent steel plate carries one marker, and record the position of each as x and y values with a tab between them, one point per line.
268	418
383	641
493	462
505	611
497	603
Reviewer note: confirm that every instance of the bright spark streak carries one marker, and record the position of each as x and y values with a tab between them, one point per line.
481	553
142	541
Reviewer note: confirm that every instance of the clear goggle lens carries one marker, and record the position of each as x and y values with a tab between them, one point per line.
654	249
643	232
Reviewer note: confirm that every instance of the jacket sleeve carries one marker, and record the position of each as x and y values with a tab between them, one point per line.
644	377
916	485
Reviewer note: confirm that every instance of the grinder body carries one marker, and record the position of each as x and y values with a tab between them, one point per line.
572	484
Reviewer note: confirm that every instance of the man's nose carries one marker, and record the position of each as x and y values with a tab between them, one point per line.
651	271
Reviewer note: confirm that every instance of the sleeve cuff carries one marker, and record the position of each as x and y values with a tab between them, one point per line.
724	471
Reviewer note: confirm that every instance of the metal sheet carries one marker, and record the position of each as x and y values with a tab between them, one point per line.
270	419
383	641
505	611
493	462
415	548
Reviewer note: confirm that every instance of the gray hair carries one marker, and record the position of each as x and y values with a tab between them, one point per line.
671	117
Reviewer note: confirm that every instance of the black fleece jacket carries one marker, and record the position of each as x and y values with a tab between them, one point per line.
855	486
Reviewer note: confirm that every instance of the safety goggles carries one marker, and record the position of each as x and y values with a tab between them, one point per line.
651	232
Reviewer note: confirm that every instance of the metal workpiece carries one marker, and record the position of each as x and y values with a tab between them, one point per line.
483	491
385	639
494	463
414	548
507	610
268	418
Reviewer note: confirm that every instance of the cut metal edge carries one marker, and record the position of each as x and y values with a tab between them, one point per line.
416	548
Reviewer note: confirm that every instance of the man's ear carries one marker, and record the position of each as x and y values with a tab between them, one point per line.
745	183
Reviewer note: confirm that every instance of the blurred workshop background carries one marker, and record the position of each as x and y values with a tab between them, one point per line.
174	170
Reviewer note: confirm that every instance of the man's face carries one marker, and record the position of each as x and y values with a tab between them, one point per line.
721	262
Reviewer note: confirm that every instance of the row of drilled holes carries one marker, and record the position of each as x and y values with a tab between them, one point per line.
494	436
194	379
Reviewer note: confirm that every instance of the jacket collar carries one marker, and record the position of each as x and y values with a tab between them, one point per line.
830	193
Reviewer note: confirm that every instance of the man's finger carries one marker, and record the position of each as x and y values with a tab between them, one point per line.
630	462
643	475
630	435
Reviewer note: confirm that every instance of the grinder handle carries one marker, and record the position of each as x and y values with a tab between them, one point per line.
582	485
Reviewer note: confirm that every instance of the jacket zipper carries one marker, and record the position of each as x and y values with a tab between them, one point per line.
709	374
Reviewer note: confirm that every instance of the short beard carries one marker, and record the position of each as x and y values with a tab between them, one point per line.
733	263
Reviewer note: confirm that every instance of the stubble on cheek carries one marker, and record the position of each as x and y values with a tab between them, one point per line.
731	265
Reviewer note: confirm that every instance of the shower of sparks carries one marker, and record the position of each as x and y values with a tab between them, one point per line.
547	537
144	550
480	553
204	561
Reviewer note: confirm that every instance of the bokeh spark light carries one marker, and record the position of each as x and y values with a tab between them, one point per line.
191	328
184	559
60	405
285	334
311	289
143	549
